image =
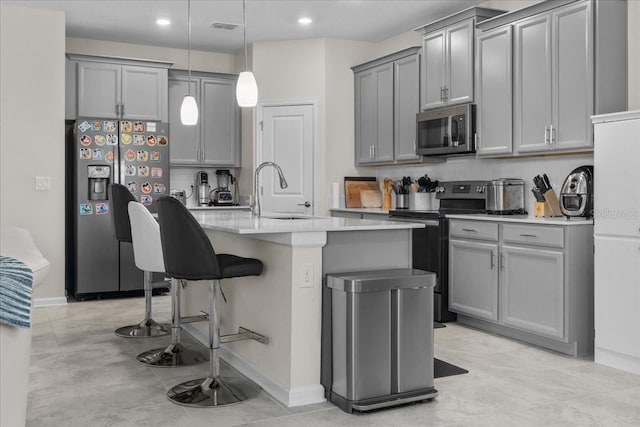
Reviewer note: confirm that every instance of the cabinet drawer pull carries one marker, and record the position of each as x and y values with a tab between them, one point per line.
528	235
470	230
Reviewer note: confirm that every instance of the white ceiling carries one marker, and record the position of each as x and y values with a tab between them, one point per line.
133	21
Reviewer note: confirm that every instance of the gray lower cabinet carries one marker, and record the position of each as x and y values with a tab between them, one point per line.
111	90
473	290
386	102
216	139
532	289
529	282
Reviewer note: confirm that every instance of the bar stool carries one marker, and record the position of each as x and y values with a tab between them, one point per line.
147	250
189	255
120	197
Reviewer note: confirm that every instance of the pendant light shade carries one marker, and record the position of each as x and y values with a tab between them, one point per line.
189	111
189	107
247	90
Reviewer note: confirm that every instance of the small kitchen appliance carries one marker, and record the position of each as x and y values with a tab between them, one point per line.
576	195
202	179
446	131
180	195
505	196
222	194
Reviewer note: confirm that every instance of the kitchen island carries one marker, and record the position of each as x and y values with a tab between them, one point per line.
285	302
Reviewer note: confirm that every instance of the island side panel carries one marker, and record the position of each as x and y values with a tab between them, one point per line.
350	251
275	305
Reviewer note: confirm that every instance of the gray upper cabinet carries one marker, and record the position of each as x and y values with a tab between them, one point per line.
185	140
216	139
448	66
448	58
386	102
407	104
220	123
554	80
119	91
494	94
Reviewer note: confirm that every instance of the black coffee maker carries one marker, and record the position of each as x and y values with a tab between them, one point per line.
576	196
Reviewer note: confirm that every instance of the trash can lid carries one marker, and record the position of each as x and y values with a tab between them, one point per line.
381	280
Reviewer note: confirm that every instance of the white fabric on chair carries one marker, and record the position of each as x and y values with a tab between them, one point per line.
145	235
15	343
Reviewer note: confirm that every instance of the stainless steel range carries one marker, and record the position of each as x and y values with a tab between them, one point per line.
431	243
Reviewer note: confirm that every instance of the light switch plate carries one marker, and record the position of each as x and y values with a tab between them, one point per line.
43	183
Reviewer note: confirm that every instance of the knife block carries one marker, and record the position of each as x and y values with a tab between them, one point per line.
549	208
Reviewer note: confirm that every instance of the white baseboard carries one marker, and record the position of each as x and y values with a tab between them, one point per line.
617	360
48	302
294	397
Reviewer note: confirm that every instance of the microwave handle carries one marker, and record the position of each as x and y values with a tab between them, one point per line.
449	120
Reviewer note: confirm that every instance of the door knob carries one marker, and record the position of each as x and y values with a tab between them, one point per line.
306	204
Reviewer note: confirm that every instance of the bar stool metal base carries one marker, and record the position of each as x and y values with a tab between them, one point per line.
148	328
172	356
208	392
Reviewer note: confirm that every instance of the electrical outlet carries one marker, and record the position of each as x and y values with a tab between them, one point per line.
43	183
306	275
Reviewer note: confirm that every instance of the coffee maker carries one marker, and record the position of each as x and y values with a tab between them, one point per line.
203	188
222	194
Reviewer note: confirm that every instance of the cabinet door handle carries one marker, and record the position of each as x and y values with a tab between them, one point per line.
441	93
552	131
502	261
117	110
470	230
475	141
446	93
122	109
493	263
546	135
373	148
528	235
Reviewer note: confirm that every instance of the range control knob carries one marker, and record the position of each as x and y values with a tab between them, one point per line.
480	189
440	189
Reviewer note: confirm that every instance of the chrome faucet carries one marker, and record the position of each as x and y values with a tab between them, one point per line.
255	207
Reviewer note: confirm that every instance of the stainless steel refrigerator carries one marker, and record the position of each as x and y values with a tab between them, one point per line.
100	152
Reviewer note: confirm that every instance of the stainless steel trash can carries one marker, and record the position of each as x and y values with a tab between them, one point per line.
381	338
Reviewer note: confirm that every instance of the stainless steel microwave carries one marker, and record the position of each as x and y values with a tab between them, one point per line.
446	131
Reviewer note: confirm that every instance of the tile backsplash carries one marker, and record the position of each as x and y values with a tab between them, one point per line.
185	179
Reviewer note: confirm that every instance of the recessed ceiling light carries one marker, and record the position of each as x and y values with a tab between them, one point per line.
305	21
163	22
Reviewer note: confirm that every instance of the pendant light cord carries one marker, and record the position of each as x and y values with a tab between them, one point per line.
244	31
189	45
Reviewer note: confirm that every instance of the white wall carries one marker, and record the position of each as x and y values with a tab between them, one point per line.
32	131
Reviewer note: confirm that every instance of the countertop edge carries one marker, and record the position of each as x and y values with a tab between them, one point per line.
525	220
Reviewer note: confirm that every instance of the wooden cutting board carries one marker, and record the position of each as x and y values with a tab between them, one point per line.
354	185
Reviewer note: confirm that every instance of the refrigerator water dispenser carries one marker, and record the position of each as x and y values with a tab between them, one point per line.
98	181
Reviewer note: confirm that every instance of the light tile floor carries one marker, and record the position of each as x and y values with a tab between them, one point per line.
84	375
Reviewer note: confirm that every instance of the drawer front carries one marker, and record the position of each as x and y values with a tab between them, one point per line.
483	230
533	235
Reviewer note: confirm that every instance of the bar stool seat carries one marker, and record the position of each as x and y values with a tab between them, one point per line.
120	197
188	254
147	251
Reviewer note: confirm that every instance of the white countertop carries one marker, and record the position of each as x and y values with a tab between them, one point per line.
217	208
379	211
242	222
526	219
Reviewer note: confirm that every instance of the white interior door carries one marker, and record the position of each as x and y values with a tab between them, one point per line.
287	132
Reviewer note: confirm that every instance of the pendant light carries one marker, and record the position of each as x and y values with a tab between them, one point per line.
189	107
246	88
